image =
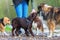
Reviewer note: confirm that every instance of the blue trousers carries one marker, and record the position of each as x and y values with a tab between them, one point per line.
22	9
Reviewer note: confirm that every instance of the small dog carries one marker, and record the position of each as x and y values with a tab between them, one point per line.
3	22
37	24
25	23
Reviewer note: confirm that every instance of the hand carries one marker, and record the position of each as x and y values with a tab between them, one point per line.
20	0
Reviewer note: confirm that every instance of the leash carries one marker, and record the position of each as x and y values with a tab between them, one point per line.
32	4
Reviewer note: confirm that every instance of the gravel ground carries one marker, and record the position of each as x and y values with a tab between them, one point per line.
23	37
28	38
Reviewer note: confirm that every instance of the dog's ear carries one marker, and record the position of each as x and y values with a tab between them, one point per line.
56	10
40	6
6	20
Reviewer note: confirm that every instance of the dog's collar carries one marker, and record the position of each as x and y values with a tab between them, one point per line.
28	21
2	21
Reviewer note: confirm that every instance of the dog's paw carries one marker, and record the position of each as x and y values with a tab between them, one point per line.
6	34
49	36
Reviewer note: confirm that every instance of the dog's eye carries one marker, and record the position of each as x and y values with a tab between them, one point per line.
8	20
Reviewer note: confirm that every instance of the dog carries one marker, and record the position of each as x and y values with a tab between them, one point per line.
25	23
52	16
37	25
57	15
51	11
3	22
48	15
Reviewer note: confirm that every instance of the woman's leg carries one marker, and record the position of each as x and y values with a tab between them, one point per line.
19	13
25	9
19	10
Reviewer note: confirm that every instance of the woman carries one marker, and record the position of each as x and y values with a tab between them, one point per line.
21	7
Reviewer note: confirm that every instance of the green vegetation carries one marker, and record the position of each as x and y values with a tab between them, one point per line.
6	8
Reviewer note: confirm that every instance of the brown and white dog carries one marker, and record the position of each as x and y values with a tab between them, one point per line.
3	22
37	25
51	15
